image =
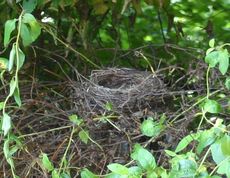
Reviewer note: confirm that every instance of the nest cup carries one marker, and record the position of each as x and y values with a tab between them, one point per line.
128	90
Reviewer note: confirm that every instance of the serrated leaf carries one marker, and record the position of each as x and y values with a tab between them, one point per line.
85	173
151	128
25	35
46	163
29	5
12	57
223	61
3	63
185	142
211	106
75	119
84	136
6	123
144	158
9	28
212	43
118	169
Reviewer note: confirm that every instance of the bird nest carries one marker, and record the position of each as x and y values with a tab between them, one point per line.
125	90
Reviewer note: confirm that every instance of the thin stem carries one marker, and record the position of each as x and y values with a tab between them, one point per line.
207	82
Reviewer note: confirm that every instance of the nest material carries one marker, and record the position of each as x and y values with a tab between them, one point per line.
128	90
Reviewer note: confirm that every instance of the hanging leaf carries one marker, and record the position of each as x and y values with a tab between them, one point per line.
212	58
223	61
6	123
21	58
8	156
227	83
17	97
12	57
25	35
212	43
13	85
35	28
9	28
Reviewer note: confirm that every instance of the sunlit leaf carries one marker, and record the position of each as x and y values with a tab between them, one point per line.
223	61
151	128
224	167
6	123
46	163
185	142
3	63
9	28
212	58
212	106
225	145
217	153
212	43
85	173
118	169
75	119
144	158
12	57
84	136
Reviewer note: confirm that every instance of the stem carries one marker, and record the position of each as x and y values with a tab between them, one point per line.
207	82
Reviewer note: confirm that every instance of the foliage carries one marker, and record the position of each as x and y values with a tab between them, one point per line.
118	26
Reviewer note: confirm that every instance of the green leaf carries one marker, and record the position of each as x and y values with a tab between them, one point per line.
212	58
212	43
225	145
75	119
85	173
9	28
3	63
223	61
84	136
25	35
55	174
144	158
109	106
151	128
46	163
212	106
17	97
227	83
135	171
12	57
118	169
6	151
6	123
29	5
1	105
21	58
217	153
185	141
170	153
207	137
224	167
35	28
13	85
